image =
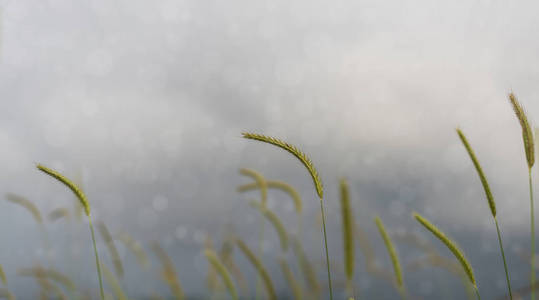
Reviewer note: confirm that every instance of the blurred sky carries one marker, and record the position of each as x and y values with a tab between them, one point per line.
144	101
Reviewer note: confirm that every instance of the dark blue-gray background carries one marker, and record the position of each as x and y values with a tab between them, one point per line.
145	102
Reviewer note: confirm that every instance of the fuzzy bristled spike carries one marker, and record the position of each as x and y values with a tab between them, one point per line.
305	160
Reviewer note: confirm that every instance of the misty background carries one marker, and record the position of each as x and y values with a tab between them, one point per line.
145	102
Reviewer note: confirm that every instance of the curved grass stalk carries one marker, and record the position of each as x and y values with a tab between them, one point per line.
59	213
490	200
452	246
212	281
527	138
392	254
275	221
113	283
261	183
168	272
116	260
255	261
306	267
27	204
226	256
222	271
279	185
292	282
135	247
84	202
306	161
3	276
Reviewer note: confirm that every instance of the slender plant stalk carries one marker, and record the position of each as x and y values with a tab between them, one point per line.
292	282
532	225
257	264
348	225
86	205
452	246
490	200
306	161
222	271
503	256
97	263
260	252
529	150
260	182
326	247
393	255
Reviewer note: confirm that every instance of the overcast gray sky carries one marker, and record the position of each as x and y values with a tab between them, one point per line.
144	101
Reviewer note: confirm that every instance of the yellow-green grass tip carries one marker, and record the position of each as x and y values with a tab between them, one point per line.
527	134
479	170
73	187
392	251
451	245
305	160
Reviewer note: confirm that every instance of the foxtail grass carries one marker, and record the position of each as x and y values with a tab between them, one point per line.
527	138
275	221
42	277
113	283
227	257
50	273
279	185
134	246
292	282
86	205
348	225
452	246
490	200
212	281
257	264
306	161
3	276
59	213
222	271
116	260
5	293
261	183
27	204
168	271
392	254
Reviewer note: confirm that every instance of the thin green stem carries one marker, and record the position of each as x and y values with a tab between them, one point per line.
260	253
97	263
477	292
503	257
532	225
326	246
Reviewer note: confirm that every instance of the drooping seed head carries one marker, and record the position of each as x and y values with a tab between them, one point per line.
479	170
275	221
74	188
27	204
527	134
392	252
292	282
59	213
116	260
222	271
305	160
260	182
255	261
451	245
280	185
